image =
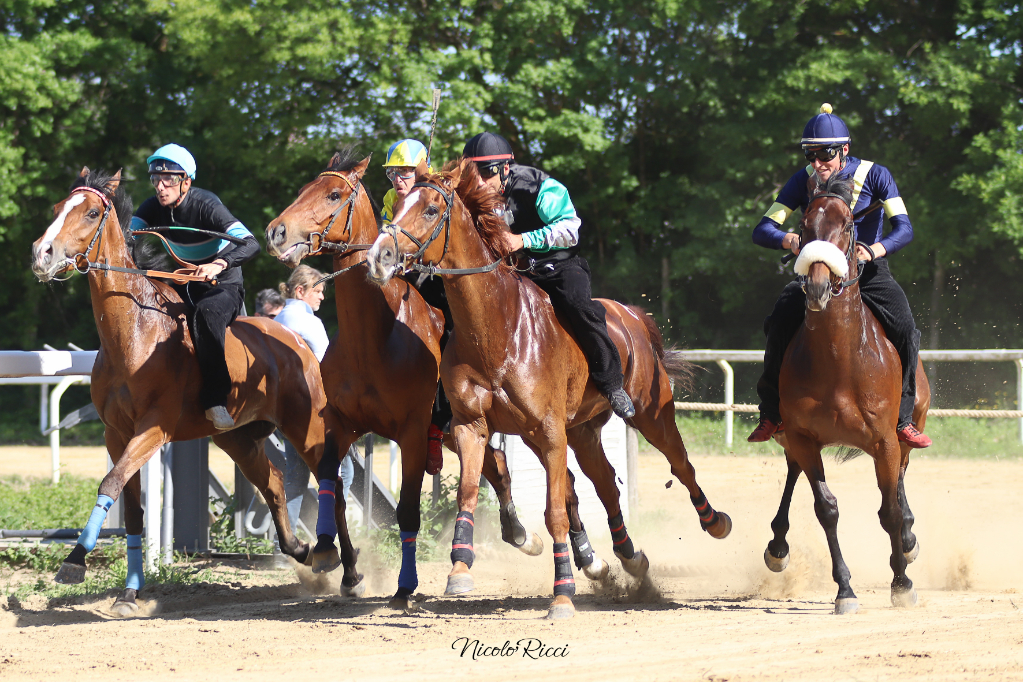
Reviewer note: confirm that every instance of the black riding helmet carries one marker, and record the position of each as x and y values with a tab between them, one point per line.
490	152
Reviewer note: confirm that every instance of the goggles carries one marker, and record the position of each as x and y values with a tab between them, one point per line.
824	154
168	179
489	169
394	173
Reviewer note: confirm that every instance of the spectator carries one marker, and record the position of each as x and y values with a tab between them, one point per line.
268	303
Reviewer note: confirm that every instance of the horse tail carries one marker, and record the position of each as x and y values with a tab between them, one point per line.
679	370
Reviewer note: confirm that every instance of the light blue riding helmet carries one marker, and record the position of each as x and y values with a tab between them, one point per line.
172	158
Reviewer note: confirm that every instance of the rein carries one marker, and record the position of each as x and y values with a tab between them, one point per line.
318	241
412	260
81	263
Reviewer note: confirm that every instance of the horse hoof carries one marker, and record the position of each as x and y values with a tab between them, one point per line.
846	605
562	611
775	564
533	546
912	554
357	590
722	528
70	574
124	609
326	561
597	570
637	566
904	599
459	583
406	604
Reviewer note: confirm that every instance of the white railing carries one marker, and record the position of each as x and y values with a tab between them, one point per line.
724	357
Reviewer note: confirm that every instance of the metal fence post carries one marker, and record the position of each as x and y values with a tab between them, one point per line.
367	504
729	398
632	466
1019	394
55	395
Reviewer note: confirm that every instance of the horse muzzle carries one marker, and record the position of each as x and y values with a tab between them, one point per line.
382	260
48	261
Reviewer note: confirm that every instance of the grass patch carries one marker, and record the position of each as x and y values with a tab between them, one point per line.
38	503
954	437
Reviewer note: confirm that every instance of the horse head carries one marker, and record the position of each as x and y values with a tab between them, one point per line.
322	214
78	225
827	253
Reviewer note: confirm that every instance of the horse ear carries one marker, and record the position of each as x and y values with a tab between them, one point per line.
455	174
85	172
334	160
360	168
421	170
114	182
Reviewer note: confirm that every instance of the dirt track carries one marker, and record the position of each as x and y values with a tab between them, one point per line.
709	611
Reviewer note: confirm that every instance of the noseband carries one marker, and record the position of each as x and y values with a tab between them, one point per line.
412	261
318	241
837	289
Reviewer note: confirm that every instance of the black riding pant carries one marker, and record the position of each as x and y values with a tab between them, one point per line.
886	300
210	310
432	291
567	282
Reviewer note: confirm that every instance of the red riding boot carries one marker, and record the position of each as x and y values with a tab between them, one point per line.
913	437
434	451
765	429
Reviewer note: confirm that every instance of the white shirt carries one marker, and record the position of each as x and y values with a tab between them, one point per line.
298	316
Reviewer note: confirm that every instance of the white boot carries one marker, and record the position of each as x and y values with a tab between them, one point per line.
222	421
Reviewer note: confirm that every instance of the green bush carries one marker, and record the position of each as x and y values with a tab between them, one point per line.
37	503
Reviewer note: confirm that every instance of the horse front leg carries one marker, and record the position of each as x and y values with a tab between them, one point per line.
332	507
470	441
413	445
555	459
910	543
889	478
495	470
137	452
776	556
125	605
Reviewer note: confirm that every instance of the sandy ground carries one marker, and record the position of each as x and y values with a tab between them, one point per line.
710	610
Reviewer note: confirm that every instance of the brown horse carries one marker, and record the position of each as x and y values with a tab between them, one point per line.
841	383
381	371
513	367
146	380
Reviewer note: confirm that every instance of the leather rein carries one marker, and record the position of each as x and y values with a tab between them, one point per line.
412	261
81	263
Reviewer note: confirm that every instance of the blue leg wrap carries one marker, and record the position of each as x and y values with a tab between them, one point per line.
136	577
91	531
325	522
407	577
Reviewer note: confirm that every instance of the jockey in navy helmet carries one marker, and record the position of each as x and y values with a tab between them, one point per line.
825	144
544	225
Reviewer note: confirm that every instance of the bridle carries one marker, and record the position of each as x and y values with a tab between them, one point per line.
412	261
318	241
839	287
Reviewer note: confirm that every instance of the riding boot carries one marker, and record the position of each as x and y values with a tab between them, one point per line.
779	328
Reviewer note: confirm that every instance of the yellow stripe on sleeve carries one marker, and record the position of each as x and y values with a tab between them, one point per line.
779	213
894	206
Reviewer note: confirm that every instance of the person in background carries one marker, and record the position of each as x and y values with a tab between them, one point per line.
268	303
303	295
400	167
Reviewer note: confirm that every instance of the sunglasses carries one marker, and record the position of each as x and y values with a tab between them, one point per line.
393	173
824	154
489	171
168	179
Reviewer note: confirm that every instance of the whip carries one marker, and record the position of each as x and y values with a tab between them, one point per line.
433	125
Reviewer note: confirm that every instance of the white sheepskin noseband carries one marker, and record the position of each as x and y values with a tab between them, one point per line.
819	251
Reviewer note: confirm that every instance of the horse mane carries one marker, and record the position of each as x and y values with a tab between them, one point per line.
842	186
483	205
345	159
145	254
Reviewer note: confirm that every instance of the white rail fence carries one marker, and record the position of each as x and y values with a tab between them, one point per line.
723	357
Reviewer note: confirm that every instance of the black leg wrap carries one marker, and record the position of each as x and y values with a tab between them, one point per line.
512	531
581	549
461	543
620	536
77	556
564	583
708	517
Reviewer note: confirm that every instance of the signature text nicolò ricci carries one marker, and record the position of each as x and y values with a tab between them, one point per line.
526	648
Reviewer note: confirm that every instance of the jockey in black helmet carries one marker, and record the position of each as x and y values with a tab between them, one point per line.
826	147
544	224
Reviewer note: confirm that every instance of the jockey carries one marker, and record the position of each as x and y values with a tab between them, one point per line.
826	147
212	306
402	159
543	223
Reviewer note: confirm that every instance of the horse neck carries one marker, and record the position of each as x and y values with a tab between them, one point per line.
842	323
123	304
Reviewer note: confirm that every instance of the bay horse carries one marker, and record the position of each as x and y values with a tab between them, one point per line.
145	382
513	367
381	371
841	384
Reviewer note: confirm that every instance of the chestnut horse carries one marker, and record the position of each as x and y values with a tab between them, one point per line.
381	371
145	382
841	383
513	367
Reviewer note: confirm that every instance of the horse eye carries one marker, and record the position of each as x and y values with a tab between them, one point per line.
335	196
93	213
431	211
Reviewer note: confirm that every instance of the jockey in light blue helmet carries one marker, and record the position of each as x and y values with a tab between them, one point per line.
172	158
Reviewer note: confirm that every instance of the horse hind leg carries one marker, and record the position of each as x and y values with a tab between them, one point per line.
495	470
776	556
657	424
892	516
125	605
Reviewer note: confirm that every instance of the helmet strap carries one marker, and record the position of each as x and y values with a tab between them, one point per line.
505	172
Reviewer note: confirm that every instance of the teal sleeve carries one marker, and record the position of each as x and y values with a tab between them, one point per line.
555	208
